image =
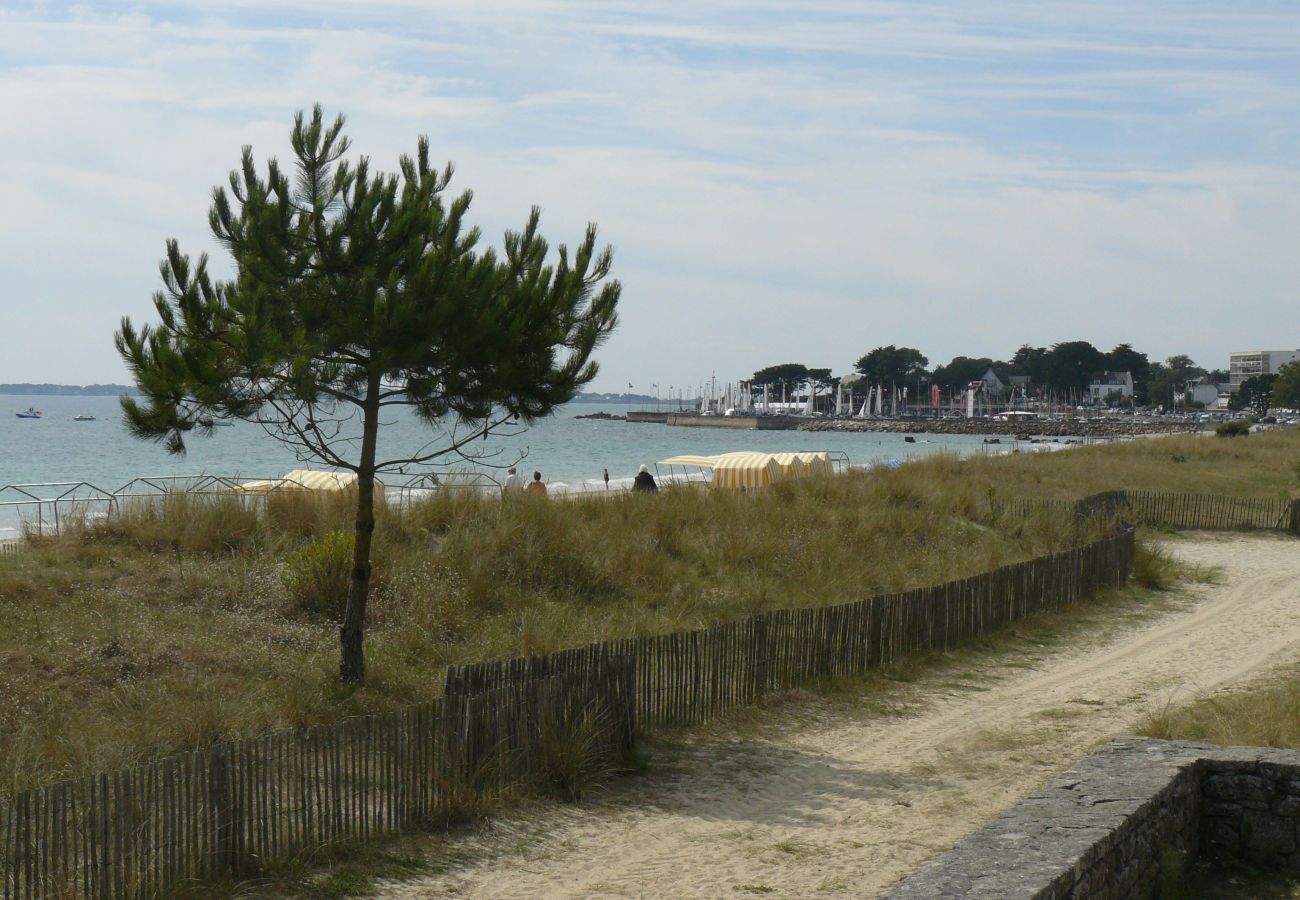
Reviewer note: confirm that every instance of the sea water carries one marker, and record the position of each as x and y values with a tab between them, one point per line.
571	453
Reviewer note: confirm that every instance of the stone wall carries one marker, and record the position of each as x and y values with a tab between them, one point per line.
1124	821
752	423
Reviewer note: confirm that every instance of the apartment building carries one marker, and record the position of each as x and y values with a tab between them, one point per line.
1249	363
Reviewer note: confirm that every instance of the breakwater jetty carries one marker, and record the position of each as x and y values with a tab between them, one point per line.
749	423
657	418
1035	427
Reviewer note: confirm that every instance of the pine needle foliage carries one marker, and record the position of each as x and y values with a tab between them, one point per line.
355	292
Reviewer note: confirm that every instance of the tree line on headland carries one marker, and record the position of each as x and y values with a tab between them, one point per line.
1064	370
68	390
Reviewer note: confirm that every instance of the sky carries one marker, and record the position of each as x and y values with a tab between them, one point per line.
780	182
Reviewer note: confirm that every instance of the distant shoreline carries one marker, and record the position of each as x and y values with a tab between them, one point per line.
66	390
117	390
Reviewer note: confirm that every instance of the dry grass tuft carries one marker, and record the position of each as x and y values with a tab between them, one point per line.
1267	715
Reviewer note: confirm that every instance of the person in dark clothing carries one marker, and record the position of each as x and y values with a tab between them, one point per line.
644	481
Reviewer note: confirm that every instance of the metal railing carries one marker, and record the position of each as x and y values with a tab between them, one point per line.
48	507
46	504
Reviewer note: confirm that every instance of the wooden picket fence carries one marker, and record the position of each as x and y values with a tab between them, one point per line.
1210	512
234	807
1107	505
1190	511
693	676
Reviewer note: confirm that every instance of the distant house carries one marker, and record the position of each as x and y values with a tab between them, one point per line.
1000	382
1108	384
1207	393
1021	383
997	381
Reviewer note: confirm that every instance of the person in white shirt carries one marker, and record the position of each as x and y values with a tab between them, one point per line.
514	482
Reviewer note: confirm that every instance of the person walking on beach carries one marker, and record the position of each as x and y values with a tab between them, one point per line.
514	482
644	481
536	486
607	479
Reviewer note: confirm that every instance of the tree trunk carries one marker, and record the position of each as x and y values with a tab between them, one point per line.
352	663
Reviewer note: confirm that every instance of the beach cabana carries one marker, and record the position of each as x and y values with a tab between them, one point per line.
688	460
746	470
305	480
793	465
752	469
818	462
702	465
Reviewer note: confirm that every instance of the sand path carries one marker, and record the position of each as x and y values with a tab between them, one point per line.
824	802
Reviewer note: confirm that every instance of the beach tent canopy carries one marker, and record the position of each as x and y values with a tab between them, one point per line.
746	470
705	461
817	461
793	465
305	479
751	469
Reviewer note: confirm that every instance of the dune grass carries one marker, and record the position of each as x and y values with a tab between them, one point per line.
176	624
1265	715
1261	465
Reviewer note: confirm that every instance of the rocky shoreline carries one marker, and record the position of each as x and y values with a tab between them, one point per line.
1036	428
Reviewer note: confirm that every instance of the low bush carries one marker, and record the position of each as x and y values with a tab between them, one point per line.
317	574
1235	428
1153	567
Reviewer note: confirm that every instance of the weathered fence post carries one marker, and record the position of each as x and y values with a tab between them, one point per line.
627	691
221	818
758	654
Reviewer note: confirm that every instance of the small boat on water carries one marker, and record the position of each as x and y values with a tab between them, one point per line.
216	423
29	413
83	418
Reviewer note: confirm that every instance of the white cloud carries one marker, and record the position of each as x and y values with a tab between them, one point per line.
779	184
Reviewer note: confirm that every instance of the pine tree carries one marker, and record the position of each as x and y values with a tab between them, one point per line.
354	294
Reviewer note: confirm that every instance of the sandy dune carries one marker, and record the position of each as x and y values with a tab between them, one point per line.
829	800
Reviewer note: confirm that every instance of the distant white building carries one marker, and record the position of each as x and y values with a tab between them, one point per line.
1107	383
999	382
1206	393
1249	363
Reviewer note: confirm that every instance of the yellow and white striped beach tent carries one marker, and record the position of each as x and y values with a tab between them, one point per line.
305	479
818	462
704	462
753	469
746	469
793	465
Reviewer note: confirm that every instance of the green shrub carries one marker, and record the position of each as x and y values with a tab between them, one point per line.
574	753
317	574
1153	566
1236	428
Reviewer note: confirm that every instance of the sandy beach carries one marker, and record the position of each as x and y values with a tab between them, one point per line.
834	798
